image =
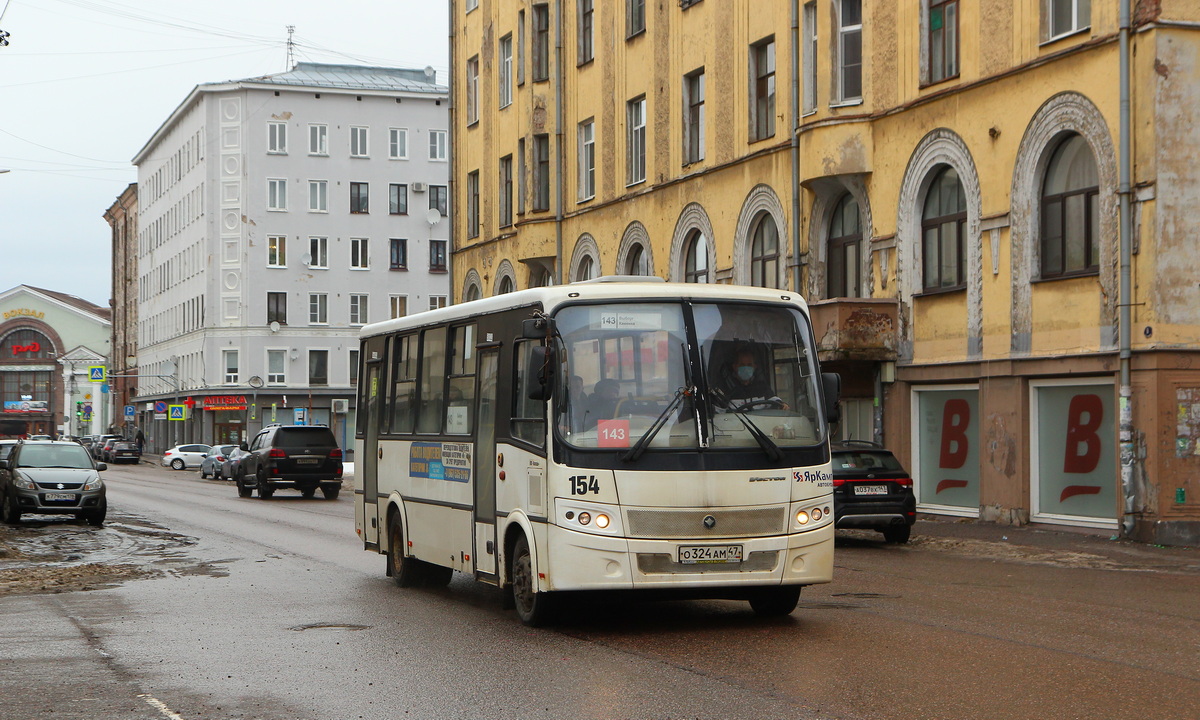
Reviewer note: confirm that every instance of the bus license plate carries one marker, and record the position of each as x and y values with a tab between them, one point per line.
54	497
709	554
870	489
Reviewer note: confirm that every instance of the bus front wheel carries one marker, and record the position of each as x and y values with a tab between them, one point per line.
534	608
775	601
405	571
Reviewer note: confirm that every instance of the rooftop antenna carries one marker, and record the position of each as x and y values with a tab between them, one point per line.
291	48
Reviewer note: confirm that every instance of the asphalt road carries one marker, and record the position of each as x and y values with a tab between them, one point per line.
271	610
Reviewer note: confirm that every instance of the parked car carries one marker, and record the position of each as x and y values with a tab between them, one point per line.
123	451
52	477
6	446
106	443
229	469
302	457
212	463
40	437
185	456
872	490
86	441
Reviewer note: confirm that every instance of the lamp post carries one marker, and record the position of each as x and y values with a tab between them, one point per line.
255	382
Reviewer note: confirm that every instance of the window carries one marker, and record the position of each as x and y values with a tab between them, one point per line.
506	71
318	196
635	17
587	160
438	199
404	388
358	141
541	43
277	138
398	305
460	397
693	124
943	226
277	194
398	199
695	269
541	172
943	39
437	255
845	239
318	252
809	72
1063	17
506	285
358	309
506	191
318	309
437	301
359	197
352	363
318	139
764	252
318	367
1070	211
431	399
586	31
762	104
635	159
473	90
849	50
359	254
437	145
277	308
397	254
528	417
231	366
398	143
276	251
473	204
637	262
521	176
586	269
276	367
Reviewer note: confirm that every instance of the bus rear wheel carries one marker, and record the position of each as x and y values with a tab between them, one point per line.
775	601
406	572
533	607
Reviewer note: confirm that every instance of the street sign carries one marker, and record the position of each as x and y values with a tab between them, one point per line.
96	373
130	411
175	412
299	416
104	388
87	411
160	409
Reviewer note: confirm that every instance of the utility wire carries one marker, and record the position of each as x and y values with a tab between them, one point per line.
63	152
117	72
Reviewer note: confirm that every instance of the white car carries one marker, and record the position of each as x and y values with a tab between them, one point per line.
185	456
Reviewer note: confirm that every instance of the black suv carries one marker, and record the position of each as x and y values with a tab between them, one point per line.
872	490
303	457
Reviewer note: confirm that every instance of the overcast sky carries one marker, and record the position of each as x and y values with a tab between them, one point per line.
84	83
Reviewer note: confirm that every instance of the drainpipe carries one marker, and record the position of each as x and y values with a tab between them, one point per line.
1133	503
451	186
797	275
559	115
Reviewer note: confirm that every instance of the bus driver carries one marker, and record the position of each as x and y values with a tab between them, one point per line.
742	385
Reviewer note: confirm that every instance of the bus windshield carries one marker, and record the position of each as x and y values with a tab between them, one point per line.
686	376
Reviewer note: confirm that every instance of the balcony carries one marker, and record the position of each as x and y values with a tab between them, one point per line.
856	329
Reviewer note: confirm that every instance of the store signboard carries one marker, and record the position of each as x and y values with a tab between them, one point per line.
947	457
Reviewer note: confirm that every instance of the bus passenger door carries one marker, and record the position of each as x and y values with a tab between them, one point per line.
486	548
367	466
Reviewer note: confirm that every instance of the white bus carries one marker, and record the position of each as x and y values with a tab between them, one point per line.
600	436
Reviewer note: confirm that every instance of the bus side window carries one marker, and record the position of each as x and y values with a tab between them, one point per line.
432	388
528	416
462	381
404	379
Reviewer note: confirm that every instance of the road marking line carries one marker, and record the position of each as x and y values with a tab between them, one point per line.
160	706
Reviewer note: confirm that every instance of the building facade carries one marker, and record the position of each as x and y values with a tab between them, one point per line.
121	217
49	344
278	215
943	182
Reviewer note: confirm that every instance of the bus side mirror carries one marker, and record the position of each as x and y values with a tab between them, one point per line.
539	369
831	384
537	328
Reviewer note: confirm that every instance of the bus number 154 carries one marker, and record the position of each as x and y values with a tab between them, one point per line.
584	484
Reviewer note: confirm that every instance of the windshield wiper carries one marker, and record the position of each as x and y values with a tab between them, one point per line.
640	446
768	445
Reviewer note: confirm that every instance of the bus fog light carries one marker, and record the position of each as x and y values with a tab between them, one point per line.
802	517
816	515
585	518
601	521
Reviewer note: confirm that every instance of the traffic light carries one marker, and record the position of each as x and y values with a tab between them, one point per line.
79	409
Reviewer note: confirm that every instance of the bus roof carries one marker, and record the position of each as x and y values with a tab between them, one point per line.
608	288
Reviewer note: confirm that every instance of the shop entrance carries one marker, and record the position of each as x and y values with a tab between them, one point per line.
227	433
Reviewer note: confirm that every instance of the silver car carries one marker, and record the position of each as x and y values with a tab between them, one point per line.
52	478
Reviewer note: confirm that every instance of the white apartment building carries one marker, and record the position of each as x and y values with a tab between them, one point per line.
278	215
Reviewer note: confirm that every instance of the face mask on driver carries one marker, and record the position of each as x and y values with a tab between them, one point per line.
745	373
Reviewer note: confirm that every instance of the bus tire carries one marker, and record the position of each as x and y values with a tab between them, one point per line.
775	601
405	571
533	607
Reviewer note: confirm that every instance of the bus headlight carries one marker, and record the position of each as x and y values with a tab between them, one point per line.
601	521
802	517
585	518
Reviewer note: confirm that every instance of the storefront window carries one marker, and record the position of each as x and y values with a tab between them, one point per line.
1075	455
947	463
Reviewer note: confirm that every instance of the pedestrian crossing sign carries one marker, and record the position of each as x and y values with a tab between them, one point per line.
176	412
96	373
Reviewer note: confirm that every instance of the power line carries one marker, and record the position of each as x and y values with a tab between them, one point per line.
117	72
63	152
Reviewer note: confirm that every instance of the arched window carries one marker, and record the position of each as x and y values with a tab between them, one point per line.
505	286
586	269
695	269
943	230
638	262
540	277
764	252
473	293
25	344
1070	210
845	239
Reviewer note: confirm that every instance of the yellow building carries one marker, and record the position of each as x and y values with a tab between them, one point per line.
941	179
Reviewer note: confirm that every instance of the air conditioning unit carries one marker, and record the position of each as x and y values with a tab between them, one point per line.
341	407
419	187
